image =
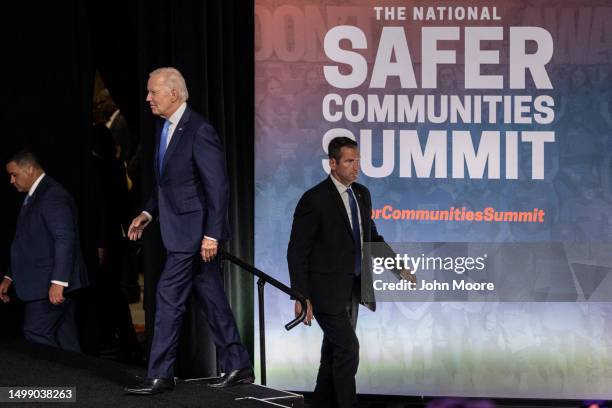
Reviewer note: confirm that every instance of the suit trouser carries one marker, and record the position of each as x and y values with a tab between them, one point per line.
184	272
339	355
50	324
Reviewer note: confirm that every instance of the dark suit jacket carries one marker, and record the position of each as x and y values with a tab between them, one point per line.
46	246
321	253
191	196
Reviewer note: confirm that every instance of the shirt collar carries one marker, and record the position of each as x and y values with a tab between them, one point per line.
178	114
35	184
341	187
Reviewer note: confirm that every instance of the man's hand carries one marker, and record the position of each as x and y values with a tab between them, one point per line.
298	311
4	286
208	250
56	294
138	225
406	274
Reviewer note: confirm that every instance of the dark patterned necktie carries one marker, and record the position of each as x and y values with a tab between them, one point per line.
356	230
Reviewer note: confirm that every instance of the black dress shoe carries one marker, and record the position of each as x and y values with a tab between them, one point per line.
234	377
150	386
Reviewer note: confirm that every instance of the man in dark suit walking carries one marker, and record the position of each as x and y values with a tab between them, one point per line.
331	223
191	200
46	260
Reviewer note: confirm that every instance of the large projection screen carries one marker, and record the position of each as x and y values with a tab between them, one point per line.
485	130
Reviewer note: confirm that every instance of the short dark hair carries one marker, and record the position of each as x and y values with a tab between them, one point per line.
336	145
25	157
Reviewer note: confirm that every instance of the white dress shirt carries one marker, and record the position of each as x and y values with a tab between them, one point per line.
174	120
35	185
343	190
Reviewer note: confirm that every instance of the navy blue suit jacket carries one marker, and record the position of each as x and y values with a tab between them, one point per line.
46	245
191	196
321	251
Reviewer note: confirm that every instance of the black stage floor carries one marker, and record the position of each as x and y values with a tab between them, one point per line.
99	383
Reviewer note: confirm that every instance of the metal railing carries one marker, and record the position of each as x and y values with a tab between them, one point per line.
263	279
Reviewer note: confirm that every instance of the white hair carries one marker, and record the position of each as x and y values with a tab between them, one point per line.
173	79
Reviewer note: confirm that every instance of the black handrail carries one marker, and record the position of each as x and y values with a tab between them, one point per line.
263	279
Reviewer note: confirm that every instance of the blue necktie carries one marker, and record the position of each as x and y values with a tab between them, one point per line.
27	198
356	230
163	144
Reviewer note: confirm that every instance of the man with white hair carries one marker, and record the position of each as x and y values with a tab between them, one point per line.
191	200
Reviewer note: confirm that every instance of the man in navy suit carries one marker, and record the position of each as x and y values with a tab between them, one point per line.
46	260
191	200
325	258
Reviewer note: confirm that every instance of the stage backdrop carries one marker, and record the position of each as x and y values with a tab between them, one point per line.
485	131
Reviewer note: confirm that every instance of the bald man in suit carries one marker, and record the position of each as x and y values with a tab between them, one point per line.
46	260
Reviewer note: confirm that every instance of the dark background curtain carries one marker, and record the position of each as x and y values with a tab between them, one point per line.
52	51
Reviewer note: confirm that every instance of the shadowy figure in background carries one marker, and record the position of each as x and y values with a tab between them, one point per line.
108	114
107	323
